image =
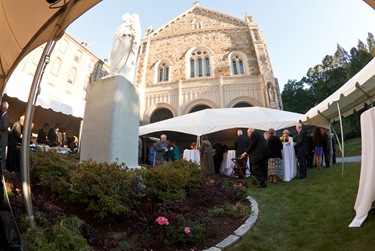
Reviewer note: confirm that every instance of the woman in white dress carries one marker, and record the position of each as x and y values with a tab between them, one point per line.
289	157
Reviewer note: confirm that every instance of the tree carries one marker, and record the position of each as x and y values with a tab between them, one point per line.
295	97
371	44
341	57
360	57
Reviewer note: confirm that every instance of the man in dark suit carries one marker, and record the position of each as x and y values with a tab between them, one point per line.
42	134
218	156
326	146
301	149
4	123
258	153
14	151
241	143
53	135
310	150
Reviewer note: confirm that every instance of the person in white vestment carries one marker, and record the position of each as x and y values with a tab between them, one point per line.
289	157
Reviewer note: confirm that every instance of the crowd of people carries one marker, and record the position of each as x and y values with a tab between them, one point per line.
12	134
276	159
272	158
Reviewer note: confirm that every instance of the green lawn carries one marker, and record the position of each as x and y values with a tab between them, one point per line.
310	214
352	147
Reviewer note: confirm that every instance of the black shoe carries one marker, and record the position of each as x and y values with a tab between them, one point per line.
262	185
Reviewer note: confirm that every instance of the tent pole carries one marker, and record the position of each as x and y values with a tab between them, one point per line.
25	164
330	142
27	135
337	139
365	93
79	136
342	141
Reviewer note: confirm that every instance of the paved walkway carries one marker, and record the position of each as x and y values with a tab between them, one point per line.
350	159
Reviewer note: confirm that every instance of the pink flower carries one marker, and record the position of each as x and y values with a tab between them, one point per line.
18	190
187	230
161	220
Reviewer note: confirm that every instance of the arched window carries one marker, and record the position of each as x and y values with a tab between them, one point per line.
163	72
56	66
72	75
200	64
237	61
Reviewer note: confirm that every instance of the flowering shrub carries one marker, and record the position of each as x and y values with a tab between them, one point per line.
239	190
162	221
187	230
183	232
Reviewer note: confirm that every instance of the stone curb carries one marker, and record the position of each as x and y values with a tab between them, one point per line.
237	234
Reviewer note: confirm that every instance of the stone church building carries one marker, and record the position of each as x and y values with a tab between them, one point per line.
204	59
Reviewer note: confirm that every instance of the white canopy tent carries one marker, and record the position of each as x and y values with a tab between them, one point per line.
213	120
371	3
25	25
49	97
353	95
359	90
52	106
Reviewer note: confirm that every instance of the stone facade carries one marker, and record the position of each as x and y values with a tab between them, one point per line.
204	58
72	66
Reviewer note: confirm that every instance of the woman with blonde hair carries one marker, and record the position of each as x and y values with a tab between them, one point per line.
289	157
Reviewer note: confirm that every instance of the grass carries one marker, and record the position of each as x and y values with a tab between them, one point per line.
310	214
352	147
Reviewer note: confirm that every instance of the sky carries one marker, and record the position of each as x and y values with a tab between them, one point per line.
299	33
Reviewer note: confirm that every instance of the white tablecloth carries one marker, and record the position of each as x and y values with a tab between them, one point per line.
192	155
226	166
290	161
56	148
366	189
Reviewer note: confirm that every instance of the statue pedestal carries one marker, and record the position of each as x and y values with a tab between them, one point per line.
111	122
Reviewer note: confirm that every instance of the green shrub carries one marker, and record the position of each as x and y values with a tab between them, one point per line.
106	188
221	211
52	169
173	180
63	235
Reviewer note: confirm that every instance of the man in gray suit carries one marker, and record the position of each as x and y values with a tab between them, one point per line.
4	123
160	150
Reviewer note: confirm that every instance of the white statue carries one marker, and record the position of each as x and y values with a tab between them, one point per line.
271	94
125	47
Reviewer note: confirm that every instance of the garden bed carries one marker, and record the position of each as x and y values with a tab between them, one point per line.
197	220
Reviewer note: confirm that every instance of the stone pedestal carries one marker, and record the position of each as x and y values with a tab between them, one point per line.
111	122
